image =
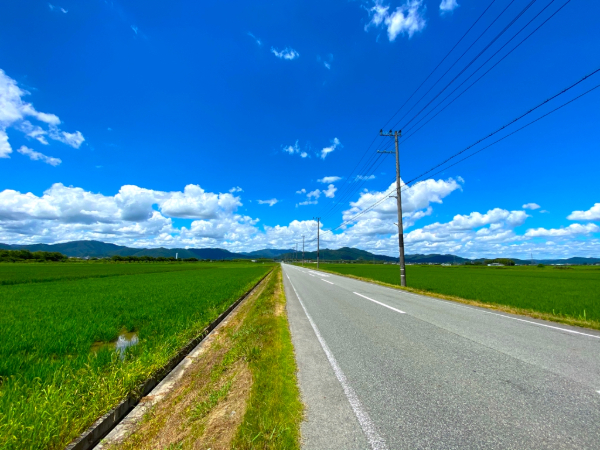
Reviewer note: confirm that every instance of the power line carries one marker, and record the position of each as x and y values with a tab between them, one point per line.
345	186
485	73
471	62
408	186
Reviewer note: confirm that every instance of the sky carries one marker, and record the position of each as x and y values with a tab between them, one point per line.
236	124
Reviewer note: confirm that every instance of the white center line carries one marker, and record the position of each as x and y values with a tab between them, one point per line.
379	303
326	281
375	440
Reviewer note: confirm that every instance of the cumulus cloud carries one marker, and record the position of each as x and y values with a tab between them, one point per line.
330	191
16	113
37	156
236	189
448	6
406	19
287	53
140	217
335	143
5	148
271	202
591	214
531	206
327	180
575	229
301	191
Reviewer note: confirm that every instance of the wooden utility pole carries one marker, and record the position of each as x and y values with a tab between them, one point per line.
318	238
396	135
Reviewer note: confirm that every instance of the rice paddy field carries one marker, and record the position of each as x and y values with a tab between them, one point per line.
75	339
572	292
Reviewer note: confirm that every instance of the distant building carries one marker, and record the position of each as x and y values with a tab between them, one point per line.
495	264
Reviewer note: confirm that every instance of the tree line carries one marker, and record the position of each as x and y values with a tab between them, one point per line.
26	255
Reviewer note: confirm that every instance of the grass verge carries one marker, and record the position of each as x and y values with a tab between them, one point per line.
241	392
559	318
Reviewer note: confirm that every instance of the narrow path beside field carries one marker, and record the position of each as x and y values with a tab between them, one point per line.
383	368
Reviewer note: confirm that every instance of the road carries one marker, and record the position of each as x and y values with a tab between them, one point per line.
385	369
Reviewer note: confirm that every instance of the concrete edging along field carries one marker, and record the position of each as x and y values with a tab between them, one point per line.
571	321
93	435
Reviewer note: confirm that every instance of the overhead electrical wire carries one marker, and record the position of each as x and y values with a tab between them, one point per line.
349	177
504	30
409	185
485	73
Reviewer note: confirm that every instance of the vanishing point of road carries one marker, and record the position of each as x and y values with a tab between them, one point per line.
381	368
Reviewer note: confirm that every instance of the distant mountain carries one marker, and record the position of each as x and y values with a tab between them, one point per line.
99	249
346	253
352	254
267	253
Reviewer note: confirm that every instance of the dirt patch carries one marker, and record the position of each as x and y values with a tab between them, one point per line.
206	405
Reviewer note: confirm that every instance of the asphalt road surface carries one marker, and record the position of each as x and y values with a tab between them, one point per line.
385	369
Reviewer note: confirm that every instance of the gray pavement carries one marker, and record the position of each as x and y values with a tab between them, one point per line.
385	369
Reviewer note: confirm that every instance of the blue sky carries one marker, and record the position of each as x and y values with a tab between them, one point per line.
202	124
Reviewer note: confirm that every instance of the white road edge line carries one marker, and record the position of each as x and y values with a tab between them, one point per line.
375	440
379	303
326	281
472	308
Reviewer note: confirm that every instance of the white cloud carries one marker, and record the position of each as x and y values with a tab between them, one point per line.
236	189
406	19
257	40
301	191
5	148
14	113
575	229
326	61
57	8
327	180
141	217
286	53
335	143
314	194
364	177
303	154
291	149
308	202
73	139
271	202
330	192
591	214
531	206
37	156
448	6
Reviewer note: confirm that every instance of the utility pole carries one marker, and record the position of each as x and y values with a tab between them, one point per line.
302	250
318	238
396	135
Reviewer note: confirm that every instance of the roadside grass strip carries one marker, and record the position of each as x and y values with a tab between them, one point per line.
569	296
241	392
376	442
59	370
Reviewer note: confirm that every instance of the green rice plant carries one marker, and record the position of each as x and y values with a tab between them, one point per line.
52	386
562	293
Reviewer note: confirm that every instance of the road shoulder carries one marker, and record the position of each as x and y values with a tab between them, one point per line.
329	421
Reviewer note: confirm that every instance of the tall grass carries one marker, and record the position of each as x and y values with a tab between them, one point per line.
274	410
52	386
